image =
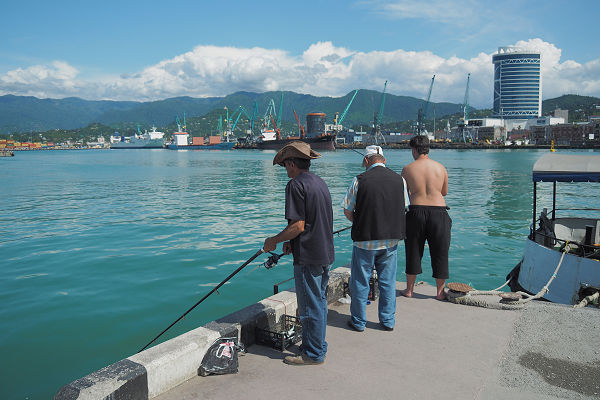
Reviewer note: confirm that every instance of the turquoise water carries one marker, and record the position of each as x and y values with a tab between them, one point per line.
101	250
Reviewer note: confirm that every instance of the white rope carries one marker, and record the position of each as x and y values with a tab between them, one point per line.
593	298
469	299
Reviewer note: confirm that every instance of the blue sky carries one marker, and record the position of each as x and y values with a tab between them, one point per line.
143	50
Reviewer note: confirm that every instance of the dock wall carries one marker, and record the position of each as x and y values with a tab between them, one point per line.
160	368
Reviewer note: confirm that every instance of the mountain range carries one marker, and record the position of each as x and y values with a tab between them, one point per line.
19	114
30	114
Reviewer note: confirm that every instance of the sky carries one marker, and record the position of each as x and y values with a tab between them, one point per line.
147	50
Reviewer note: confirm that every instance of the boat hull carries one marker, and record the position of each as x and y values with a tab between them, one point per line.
317	143
216	146
538	265
138	144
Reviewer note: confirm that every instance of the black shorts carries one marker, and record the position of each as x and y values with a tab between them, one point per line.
431	223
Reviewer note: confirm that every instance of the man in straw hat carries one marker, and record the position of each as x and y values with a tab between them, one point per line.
309	237
375	204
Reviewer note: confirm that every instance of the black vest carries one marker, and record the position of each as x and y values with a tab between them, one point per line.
379	211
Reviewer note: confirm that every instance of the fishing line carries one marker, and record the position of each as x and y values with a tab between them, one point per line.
358	152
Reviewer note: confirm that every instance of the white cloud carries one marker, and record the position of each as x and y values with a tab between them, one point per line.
322	70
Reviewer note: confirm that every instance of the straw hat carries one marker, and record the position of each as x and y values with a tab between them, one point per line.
296	149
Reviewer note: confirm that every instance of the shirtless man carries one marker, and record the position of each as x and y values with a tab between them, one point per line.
427	218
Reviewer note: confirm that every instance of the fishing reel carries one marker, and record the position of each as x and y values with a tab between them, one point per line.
272	261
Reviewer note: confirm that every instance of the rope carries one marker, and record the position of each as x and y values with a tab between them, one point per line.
469	299
593	298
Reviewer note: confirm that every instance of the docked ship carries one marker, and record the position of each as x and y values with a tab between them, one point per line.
315	135
181	142
146	140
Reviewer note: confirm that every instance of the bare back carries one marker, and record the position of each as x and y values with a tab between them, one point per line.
427	182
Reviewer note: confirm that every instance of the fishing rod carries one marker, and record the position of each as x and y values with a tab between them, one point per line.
342	230
270	263
258	253
358	152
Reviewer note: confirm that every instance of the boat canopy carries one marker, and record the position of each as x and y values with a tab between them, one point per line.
552	167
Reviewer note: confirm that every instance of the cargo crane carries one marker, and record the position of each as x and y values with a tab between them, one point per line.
277	130
421	115
280	110
254	113
376	131
462	125
269	120
338	122
301	133
239	111
466	101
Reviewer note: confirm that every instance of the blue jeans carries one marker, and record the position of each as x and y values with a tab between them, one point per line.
311	283
385	263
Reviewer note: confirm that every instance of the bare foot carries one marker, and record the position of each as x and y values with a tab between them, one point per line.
406	293
441	296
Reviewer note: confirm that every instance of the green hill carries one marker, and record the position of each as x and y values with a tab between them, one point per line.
30	114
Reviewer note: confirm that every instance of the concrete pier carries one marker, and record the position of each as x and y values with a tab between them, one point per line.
437	349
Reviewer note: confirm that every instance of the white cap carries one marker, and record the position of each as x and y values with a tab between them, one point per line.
371	150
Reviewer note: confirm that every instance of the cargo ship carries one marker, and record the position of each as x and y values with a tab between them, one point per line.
146	140
315	135
181	142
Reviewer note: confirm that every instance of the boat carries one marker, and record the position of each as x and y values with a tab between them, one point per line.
181	142
562	255
146	140
315	135
7	153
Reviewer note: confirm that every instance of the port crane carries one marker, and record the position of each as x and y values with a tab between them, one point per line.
239	112
423	112
462	125
277	130
270	110
338	122
280	110
376	131
300	126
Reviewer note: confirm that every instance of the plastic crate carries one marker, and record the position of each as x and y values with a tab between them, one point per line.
373	289
284	334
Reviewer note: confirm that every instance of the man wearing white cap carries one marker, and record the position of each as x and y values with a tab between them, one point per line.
375	203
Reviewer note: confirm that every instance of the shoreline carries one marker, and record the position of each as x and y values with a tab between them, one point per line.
399	146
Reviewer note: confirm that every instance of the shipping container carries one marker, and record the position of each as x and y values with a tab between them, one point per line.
214	139
197	140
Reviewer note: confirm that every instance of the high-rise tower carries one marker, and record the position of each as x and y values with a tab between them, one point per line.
517	83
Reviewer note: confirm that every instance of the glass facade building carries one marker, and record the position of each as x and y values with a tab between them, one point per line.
517	83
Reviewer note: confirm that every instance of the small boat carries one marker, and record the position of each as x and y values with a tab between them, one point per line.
146	140
7	153
562	256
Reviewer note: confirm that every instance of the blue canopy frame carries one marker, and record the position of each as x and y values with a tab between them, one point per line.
553	167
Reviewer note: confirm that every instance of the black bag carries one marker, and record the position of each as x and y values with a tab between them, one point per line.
221	358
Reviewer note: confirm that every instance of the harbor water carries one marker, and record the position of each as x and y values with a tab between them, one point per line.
101	250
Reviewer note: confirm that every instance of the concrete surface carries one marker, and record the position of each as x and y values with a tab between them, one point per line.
437	349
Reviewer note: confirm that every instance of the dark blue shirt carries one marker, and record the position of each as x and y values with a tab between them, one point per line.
307	198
